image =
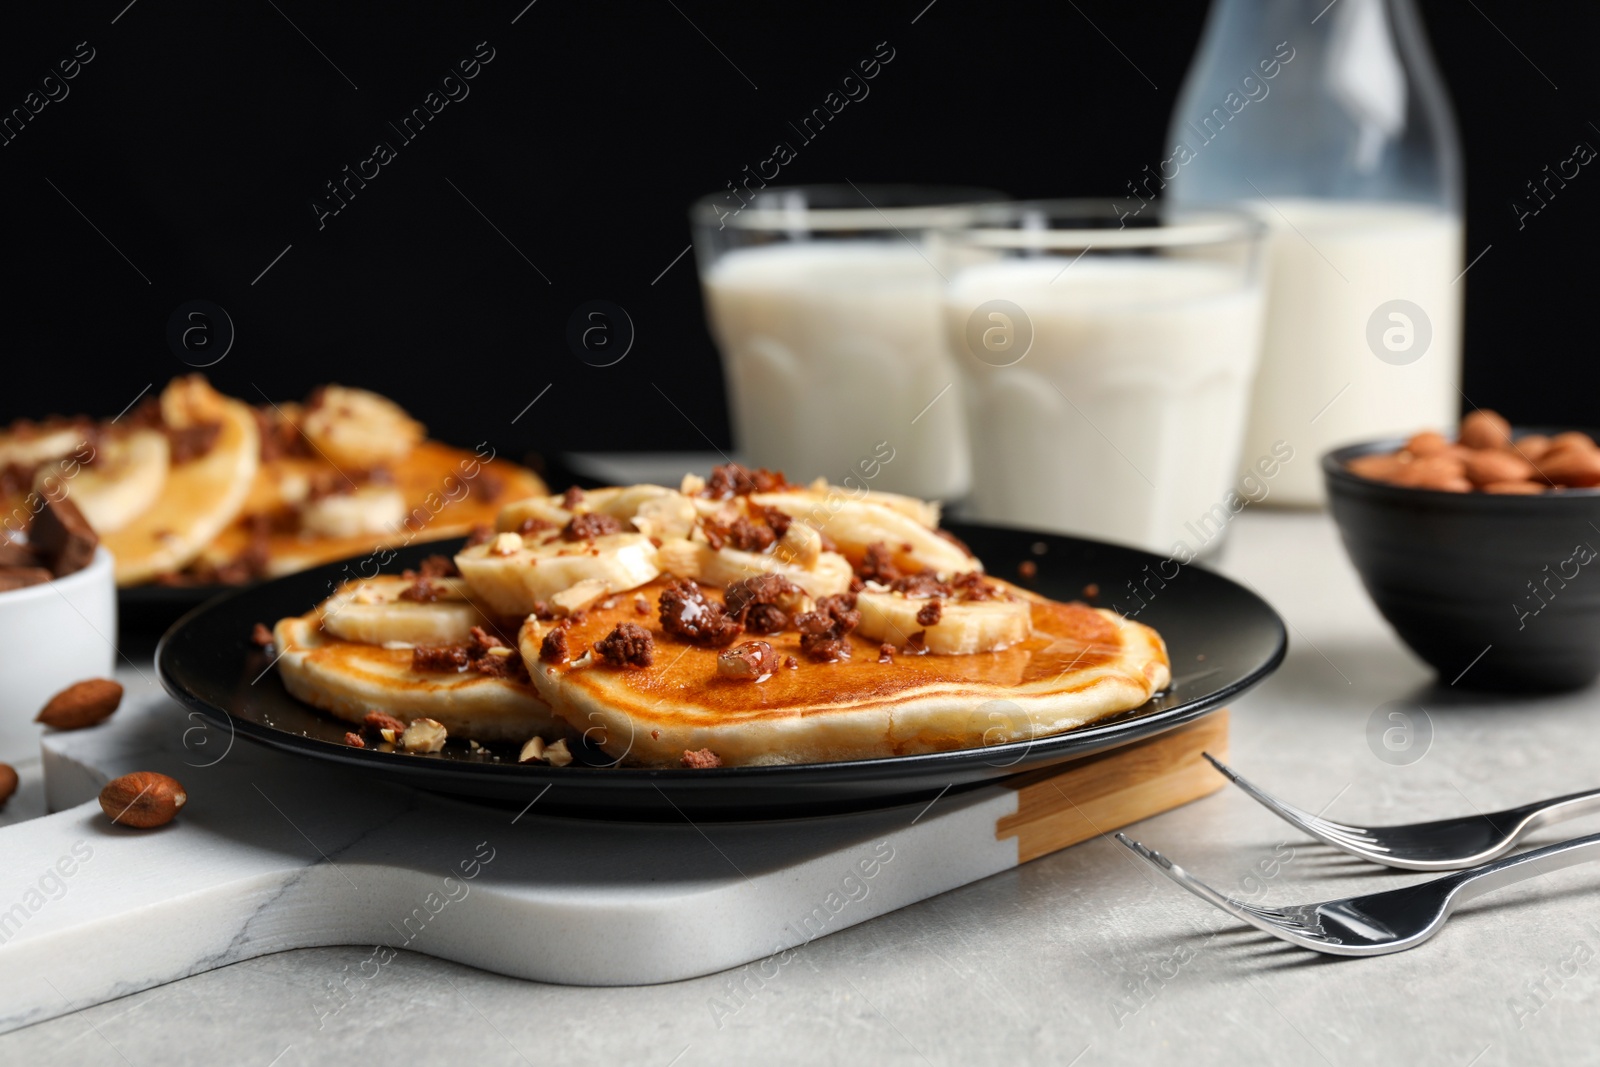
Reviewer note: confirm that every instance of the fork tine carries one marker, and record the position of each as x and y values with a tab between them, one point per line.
1313	824
1278	927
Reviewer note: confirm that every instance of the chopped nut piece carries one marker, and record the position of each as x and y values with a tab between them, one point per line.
260	636
886	653
505	544
423	735
701	759
753	661
691	485
558	755
389	735
533	751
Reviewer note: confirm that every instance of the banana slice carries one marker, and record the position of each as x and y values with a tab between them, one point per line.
855	524
654	510
371	611
924	511
28	448
509	574
963	627
370	509
358	428
199	499
124	483
830	574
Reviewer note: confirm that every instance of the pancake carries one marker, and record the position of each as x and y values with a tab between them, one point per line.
427	479
198	499
348	680
1079	664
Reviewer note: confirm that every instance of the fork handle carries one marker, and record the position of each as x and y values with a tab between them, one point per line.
1559	809
1491	876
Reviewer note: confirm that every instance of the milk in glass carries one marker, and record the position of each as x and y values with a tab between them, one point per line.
833	354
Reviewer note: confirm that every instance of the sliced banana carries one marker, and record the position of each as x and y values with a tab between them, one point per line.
34	446
830	574
358	428
127	478
509	580
371	611
370	509
654	510
964	626
924	511
855	524
197	502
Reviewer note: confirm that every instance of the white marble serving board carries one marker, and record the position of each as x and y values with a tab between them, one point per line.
276	852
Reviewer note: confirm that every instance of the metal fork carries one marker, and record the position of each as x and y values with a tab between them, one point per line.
1444	845
1379	923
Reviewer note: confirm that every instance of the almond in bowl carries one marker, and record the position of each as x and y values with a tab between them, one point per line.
1478	550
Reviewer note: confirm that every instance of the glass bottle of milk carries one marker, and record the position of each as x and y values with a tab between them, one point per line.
1331	122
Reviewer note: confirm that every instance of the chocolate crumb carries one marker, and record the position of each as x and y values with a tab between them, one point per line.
1091	591
260	636
701	759
930	613
886	653
588	525
629	645
354	740
553	649
1027	570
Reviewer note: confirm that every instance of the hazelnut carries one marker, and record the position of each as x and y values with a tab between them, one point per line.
558	755
1484	467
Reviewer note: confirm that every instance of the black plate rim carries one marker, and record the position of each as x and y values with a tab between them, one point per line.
1082	741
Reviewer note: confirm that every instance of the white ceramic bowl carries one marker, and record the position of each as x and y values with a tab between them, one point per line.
54	634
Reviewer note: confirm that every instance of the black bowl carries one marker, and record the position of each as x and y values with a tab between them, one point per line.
1494	592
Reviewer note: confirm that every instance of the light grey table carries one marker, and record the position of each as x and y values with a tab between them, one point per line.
1078	958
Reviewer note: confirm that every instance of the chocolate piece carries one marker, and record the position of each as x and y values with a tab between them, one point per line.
62	537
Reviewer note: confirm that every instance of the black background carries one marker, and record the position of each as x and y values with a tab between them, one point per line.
197	138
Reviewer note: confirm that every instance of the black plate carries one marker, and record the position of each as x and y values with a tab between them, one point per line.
1222	638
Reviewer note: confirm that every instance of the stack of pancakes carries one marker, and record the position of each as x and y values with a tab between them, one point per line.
735	620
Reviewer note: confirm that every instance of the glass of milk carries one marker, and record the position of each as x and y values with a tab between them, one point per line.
1331	123
824	303
1106	369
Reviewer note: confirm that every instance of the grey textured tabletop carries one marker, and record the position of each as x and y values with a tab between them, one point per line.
1081	957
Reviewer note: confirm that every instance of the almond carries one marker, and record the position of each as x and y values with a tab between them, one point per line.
1485	429
144	799
1532	446
8	782
1427	443
82	704
1485	467
1571	466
